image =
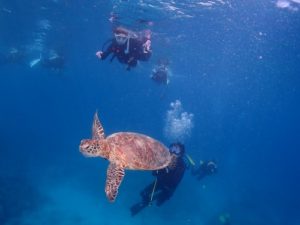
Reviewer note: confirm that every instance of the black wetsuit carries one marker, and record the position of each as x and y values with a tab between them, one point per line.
205	169
160	75
166	183
135	52
168	180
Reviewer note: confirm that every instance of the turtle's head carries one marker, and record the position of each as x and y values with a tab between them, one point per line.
93	148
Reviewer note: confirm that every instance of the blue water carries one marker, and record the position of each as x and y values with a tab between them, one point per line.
235	67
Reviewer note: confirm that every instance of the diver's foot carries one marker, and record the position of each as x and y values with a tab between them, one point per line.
135	209
159	201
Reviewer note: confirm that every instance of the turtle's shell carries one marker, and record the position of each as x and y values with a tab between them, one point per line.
138	152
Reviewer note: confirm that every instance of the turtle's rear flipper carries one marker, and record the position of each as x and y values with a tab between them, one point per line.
114	178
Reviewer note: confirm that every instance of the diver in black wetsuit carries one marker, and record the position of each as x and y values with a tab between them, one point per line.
128	47
160	73
165	183
50	60
205	168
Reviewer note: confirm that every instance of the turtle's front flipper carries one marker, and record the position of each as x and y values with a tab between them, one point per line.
114	178
97	131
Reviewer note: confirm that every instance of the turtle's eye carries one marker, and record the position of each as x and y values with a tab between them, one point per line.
84	144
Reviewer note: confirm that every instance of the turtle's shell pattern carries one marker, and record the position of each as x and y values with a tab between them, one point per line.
136	151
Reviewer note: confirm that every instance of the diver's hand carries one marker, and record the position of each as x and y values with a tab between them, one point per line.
99	54
147	46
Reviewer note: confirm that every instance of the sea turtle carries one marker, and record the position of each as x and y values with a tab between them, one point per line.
124	150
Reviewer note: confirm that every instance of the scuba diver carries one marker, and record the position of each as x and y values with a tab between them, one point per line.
206	168
128	47
160	73
52	60
166	181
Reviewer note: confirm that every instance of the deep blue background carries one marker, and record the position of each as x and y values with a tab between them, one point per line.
235	66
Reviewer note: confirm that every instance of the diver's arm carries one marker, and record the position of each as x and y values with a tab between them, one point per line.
103	55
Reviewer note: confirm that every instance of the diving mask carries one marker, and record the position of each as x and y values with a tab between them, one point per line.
121	38
176	149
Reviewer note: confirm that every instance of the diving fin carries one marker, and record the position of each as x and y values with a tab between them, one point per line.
35	62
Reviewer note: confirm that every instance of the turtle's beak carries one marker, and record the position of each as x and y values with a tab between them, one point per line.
84	147
87	148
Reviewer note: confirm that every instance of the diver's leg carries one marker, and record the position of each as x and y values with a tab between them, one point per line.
146	193
146	196
163	196
136	208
